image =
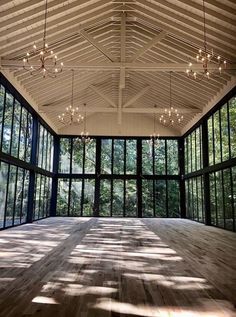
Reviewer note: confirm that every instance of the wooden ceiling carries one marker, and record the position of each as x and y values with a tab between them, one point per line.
122	53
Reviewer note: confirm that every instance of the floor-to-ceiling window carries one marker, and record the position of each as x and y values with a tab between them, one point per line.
108	168
214	178
25	164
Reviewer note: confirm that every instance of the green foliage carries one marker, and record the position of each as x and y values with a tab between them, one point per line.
193	150
222	197
42	196
64	157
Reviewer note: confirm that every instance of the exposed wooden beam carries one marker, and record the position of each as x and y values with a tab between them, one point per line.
136	97
98	45
122	78
149	45
105	97
146	110
93	66
122	69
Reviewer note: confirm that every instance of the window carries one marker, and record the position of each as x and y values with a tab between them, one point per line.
193	151
16	127
14	185
45	149
42	197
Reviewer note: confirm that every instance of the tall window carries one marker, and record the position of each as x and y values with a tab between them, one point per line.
15	127
14	186
45	149
116	178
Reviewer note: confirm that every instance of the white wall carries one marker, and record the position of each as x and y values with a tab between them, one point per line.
132	125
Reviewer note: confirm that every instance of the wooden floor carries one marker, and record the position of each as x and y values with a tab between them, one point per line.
66	267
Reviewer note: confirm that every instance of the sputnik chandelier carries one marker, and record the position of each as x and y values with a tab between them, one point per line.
171	115
71	115
205	57
84	135
48	61
154	137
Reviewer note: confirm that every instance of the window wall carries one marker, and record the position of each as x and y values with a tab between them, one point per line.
193	151
215	177
15	127
20	199
160	183
42	196
14	183
119	172
45	149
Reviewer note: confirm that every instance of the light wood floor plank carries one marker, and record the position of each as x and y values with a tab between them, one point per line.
103	267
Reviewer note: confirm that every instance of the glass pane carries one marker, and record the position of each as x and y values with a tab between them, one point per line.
200	199
147	198
2	97
224	133
16	130
25	197
195	199
64	159
3	190
11	196
189	155
217	142
118	157
7	124
130	198
160	198
228	200
29	138
213	205
40	145
160	158
210	142
193	146
131	157
19	196
147	158
219	199
90	157
63	197
234	193
37	197
172	157
23	134
232	119
106	156
118	198
77	156
173	198
186	155
88	201
198	149
105	198
75	198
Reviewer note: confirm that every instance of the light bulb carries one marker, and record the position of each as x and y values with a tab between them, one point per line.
27	54
34	47
190	64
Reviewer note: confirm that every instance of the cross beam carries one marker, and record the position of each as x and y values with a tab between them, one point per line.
116	66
